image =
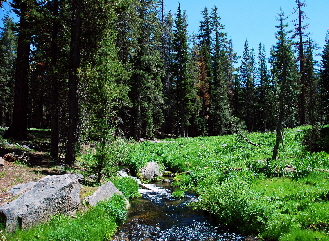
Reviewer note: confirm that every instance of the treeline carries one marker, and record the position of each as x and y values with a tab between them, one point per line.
92	69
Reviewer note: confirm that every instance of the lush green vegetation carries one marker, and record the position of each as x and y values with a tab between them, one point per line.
244	188
131	69
87	225
94	73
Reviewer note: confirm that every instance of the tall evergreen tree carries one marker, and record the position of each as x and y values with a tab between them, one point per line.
266	93
104	89
205	67
18	127
167	80
219	121
300	34
7	60
183	84
247	74
145	83
74	65
233	80
54	151
324	81
195	127
285	74
311	76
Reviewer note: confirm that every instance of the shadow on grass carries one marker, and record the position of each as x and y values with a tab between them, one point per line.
32	152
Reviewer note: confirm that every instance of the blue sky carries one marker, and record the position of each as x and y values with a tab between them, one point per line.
255	20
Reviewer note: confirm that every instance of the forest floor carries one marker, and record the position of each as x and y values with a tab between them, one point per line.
24	162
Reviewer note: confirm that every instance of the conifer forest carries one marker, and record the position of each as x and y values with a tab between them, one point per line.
107	88
92	69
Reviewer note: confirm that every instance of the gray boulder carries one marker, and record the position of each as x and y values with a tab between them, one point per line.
2	162
150	171
21	188
51	195
106	191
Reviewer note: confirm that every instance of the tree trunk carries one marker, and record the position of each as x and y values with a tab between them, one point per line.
54	81
278	140
73	83
302	95
2	112
279	127
18	127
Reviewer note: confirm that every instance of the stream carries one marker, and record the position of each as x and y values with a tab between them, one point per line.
159	216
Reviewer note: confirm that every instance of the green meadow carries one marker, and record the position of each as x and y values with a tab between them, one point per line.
237	182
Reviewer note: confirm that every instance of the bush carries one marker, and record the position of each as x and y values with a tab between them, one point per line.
234	205
278	225
103	160
128	186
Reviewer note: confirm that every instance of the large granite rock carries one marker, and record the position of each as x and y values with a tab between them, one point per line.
19	189
49	196
150	171
106	191
2	162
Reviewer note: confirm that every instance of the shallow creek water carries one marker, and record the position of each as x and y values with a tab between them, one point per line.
159	216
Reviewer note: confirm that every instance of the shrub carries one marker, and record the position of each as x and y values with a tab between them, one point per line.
128	186
103	160
277	225
178	193
234	205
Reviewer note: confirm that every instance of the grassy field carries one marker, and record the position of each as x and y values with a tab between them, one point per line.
237	182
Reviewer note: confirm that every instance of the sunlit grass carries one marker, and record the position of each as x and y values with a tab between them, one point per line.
98	223
246	190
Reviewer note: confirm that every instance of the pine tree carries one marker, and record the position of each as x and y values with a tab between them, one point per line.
312	108
205	68
300	34
324	81
183	84
54	150
18	127
167	80
285	74
74	65
7	61
104	92
145	83
49	71
195	127
266	93
40	67
220	117
233	80
247	76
